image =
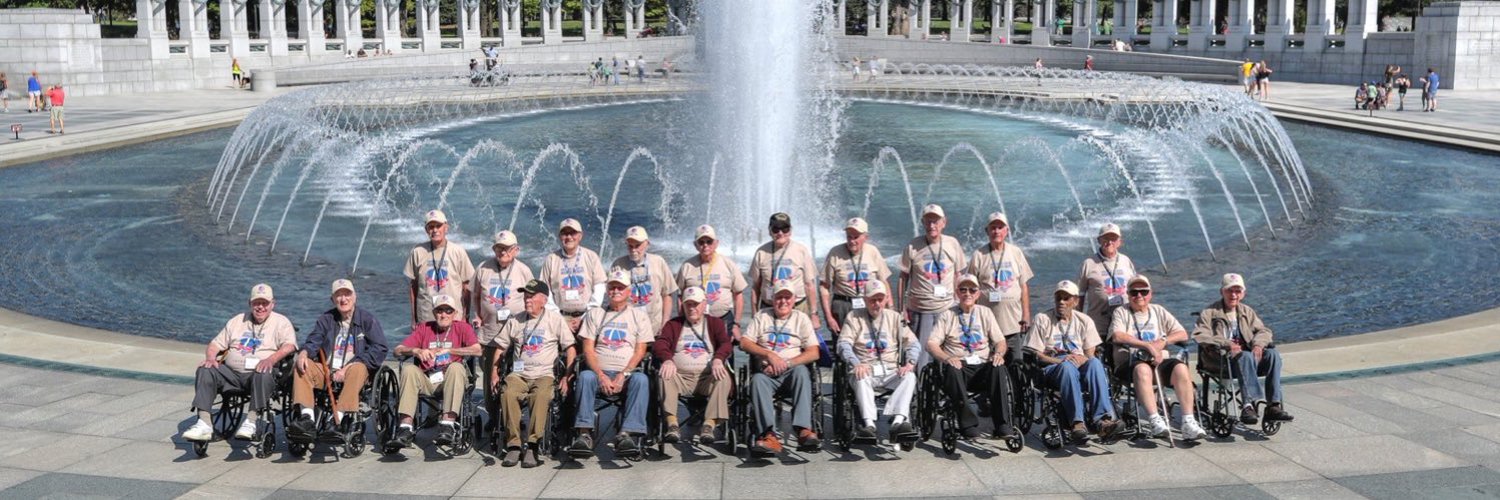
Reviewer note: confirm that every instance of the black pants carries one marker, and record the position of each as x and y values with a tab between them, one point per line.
841	306
983	377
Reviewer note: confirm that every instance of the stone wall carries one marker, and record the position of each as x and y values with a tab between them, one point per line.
899	50
567	57
1461	40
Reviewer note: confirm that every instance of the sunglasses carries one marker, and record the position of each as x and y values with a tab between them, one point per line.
618	288
781	231
704	242
444	311
1140	292
967	289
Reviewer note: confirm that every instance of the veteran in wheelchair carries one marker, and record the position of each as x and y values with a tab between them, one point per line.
525	371
1063	342
241	362
346	346
438	368
883	354
1233	343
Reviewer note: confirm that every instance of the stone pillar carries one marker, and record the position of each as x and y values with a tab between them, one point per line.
151	16
1241	24
1041	30
310	27
1279	23
1163	24
878	16
593	20
510	23
273	26
192	26
962	25
234	25
1002	21
552	21
635	18
1131	20
347	21
388	24
843	13
427	25
468	23
1361	23
1201	23
921	20
1319	24
1085	16
1117	20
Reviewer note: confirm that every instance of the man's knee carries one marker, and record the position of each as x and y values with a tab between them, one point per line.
638	382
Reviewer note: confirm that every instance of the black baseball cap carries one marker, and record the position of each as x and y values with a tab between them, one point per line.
780	220
535	286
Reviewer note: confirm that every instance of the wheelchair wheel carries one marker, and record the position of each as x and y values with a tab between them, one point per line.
383	400
843	427
1052	436
267	442
200	448
1015	443
1270	427
298	450
950	435
354	444
1220	425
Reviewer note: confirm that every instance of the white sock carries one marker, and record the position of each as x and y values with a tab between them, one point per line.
205	422
338	415
406	426
898	419
307	412
448	423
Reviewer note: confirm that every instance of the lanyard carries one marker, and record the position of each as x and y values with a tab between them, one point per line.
859	288
1067	333
1102	263
876	340
505	278
694	329
604	320
937	263
705	270
995	264
437	265
1150	320
967	326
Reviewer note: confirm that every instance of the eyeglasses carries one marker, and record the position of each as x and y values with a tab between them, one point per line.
784	230
1140	292
618	288
968	289
261	305
704	242
446	311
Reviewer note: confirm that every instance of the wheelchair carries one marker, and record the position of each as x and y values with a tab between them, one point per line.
551	441
696	406
936	414
231	413
353	443
1045	405
1219	397
566	432
429	409
1122	389
742	408
846	416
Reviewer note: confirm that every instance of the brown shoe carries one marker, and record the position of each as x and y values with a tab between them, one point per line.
768	444
1107	427
806	439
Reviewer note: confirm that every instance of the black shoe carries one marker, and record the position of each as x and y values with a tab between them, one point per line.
1276	414
1080	433
1247	415
626	446
583	446
865	433
302	430
512	457
447	436
904	432
673	435
403	438
971	432
1004	432
529	458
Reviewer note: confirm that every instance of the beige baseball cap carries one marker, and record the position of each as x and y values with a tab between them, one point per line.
1109	228
694	294
706	231
1066	286
341	284
1138	282
505	239
1232	280
934	209
783	286
444	300
968	278
637	234
998	217
570	223
262	292
620	276
874	288
857	224
436	216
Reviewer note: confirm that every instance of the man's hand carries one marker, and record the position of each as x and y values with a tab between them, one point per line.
1259	352
775	366
905	369
720	373
565	383
953	361
619	382
477	322
302	363
1157	356
861	371
606	384
833	326
495	381
1025	325
265	365
1235	348
1077	359
669	369
997	359
338	375
425	355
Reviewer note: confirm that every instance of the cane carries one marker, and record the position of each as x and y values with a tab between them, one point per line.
1161	400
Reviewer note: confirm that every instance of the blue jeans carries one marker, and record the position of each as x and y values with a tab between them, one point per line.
1069	381
637	394
1269	367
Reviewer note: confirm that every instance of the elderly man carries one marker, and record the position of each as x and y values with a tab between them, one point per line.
651	282
694	350
1064	340
346	345
883	351
781	343
1225	331
540	335
929	270
439	346
720	278
574	273
437	268
1103	277
241	358
614	342
1003	272
847	272
495	283
784	260
1143	331
968	341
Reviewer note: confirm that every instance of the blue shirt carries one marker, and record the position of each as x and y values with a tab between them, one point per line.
1432	81
33	85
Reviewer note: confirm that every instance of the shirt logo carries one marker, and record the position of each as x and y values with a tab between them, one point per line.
248	344
712	289
778	339
640	293
933	270
535	340
694	348
1004	277
970	340
877	342
784	273
614	339
498	294
1114	285
572	277
437	278
859	279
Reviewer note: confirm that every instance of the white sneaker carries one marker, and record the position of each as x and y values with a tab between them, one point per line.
246	430
1159	427
1191	431
200	431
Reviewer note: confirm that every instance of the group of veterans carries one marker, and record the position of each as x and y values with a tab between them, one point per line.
968	311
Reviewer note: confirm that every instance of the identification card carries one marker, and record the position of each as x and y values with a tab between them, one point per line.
251	362
973	359
878	369
1116	300
502	314
857	303
337	363
939	291
570	295
435	377
995	296
518	366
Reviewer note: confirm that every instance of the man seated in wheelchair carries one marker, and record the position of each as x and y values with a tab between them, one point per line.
1228	328
693	349
440	347
883	353
346	345
250	345
1064	340
781	344
614	341
1144	332
972	349
540	335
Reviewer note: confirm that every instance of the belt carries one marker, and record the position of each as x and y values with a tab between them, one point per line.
572	314
845	298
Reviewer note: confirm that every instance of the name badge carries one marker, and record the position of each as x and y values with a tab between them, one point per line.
973	359
502	314
939	291
1116	300
251	362
878	369
338	362
570	295
995	296
518	366
857	303
435	377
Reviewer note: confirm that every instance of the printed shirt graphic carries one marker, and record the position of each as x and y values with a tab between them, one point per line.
438	272
1004	271
1101	280
497	291
847	277
650	281
615	334
964	334
1151	325
872	337
541	341
241	339
693	351
794	263
572	279
1074	336
343	345
459	335
930	265
786	337
719	281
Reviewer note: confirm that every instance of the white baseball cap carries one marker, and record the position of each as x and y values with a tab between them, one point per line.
874	288
1066	286
857	224
783	286
444	300
262	291
1109	228
694	294
341	284
1139	279
934	209
706	231
620	276
505	238
1232	280
637	234
998	217
436	216
570	223
968	278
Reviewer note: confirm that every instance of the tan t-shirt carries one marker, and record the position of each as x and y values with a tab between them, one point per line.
651	283
793	263
694	349
542	339
572	279
1061	338
846	274
495	293
1103	282
966	334
440	271
615	334
1002	271
1155	323
932	273
242	339
875	338
786	337
720	280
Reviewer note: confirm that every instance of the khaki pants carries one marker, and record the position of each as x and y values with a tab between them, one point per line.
415	383
316	377
701	384
538	394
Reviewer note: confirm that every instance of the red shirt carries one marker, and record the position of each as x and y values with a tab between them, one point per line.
56	95
426	337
